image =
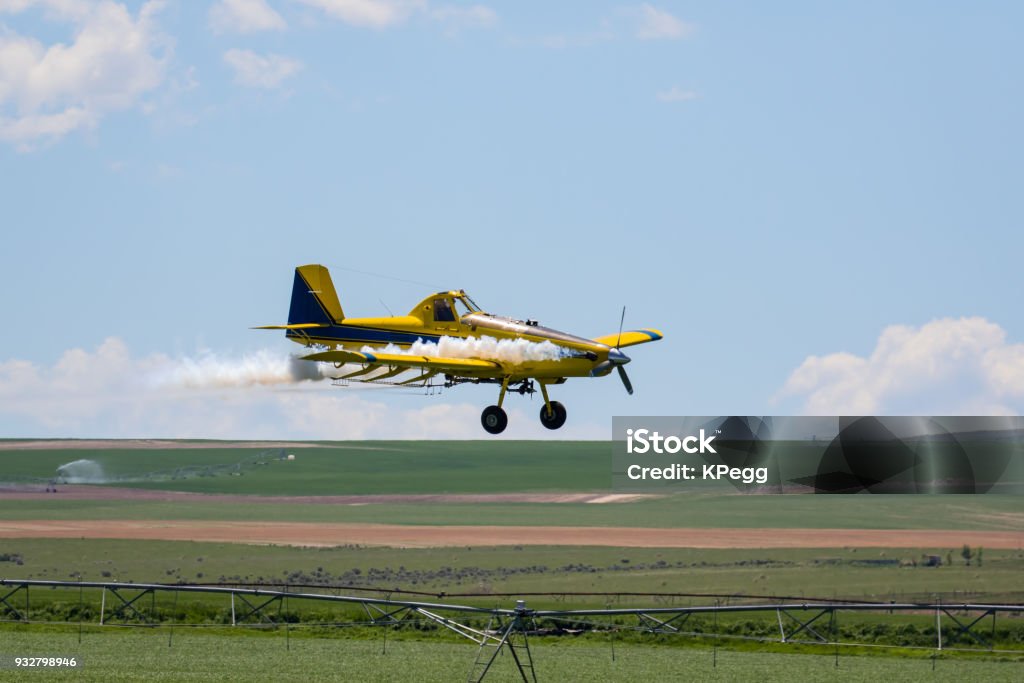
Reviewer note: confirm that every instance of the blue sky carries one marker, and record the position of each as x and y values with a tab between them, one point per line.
818	203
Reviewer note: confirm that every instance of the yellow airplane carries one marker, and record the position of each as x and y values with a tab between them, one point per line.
447	333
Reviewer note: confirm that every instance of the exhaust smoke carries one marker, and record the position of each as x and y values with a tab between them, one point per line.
211	371
512	351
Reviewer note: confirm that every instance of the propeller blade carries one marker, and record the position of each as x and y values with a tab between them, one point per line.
621	320
625	379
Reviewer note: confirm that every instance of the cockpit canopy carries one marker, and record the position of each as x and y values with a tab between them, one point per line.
445	307
464	305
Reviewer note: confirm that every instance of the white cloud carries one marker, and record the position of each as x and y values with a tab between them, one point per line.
382	14
947	366
1004	367
50	90
20	130
261	71
369	13
110	393
677	94
245	16
656	24
58	9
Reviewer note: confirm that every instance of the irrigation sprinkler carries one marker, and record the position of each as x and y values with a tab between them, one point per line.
508	629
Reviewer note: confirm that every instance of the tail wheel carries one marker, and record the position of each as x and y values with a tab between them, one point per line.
494	419
557	417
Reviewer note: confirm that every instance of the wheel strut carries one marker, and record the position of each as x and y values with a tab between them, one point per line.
552	413
504	388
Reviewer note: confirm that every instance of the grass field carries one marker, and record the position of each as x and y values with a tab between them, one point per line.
480	467
709	510
845	573
373	466
349	468
157	655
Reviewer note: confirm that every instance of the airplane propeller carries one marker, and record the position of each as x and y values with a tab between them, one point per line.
625	379
619	358
622	319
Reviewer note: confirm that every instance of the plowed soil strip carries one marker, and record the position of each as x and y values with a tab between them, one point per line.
306	534
92	492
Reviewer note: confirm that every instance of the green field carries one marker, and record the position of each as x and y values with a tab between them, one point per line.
402	467
367	467
873	574
338	469
481	467
157	655
708	510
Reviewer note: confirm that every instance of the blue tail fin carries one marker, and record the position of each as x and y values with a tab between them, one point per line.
313	297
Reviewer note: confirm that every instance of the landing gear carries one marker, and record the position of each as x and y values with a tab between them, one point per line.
552	415
494	419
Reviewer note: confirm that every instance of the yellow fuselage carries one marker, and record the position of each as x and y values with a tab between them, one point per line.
578	357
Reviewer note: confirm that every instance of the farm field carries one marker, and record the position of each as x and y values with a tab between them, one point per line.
696	510
854	573
736	530
392	467
115	655
436	483
344	468
480	523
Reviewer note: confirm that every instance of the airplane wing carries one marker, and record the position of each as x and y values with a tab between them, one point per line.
403	361
629	338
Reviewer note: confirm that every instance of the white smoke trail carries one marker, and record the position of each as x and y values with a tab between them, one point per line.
263	368
512	351
211	371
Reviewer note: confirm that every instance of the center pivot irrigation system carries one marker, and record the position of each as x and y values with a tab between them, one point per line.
507	631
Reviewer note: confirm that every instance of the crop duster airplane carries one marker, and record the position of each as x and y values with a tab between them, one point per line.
316	320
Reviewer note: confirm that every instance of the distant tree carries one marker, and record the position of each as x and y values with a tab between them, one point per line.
949	558
967	554
978	554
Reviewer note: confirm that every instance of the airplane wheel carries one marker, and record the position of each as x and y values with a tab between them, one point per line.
557	419
494	419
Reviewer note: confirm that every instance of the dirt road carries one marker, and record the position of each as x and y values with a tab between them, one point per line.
309	534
